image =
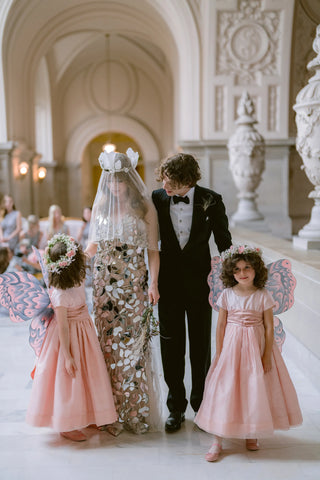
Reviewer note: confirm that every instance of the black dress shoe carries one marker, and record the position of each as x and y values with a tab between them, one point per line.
174	421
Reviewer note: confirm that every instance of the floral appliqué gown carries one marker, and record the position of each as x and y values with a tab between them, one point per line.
240	400
120	299
58	400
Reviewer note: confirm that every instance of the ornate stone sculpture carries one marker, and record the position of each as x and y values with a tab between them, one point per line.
246	153
307	109
248	41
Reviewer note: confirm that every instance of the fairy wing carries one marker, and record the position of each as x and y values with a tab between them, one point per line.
281	284
26	299
215	284
42	265
278	332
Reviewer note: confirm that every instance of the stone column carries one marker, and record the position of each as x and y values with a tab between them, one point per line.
307	109
246	153
22	188
6	174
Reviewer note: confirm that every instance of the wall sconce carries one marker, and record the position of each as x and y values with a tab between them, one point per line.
23	169
42	173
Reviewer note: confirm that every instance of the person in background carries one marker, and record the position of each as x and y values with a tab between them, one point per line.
11	224
84	229
5	257
24	259
56	222
33	233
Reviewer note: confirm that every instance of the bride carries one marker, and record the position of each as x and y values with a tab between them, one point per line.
124	226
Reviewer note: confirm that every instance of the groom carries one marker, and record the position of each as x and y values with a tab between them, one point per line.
187	215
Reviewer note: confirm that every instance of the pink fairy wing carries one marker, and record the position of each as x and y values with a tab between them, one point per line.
279	333
42	265
281	284
215	284
26	299
38	328
23	295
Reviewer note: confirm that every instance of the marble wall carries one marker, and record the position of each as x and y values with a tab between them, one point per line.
171	81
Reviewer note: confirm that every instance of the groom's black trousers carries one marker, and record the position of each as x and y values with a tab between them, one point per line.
172	312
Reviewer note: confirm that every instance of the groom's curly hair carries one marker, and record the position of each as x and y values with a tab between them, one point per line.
181	169
254	259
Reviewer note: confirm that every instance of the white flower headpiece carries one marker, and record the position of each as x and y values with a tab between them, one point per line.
66	259
239	249
109	162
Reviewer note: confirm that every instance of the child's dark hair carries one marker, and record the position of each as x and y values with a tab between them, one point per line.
71	275
4	259
255	260
181	169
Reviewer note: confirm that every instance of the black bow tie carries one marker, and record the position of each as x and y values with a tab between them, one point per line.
177	199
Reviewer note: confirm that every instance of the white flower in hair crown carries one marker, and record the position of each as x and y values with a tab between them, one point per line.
238	250
109	162
66	259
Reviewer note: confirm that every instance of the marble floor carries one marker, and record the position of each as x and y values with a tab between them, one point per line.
31	453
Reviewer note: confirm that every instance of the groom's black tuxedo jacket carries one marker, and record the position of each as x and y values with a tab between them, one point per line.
186	270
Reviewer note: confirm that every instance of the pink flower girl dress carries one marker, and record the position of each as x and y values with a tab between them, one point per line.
58	400
240	399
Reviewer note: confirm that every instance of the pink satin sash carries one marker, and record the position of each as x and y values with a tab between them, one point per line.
78	313
245	318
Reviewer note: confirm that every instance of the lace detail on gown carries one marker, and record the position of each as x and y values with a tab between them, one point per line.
129	230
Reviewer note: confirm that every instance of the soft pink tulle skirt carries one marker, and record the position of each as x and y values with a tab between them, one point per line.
240	400
65	403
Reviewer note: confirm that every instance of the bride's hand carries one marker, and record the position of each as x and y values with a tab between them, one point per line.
91	250
153	293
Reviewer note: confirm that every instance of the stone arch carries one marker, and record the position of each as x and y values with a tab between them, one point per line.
75	153
171	26
93	127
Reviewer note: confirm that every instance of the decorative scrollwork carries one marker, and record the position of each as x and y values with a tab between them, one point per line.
248	47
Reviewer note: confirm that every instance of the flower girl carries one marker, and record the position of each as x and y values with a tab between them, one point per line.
248	392
71	387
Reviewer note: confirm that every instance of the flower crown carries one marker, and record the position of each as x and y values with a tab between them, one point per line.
238	250
109	162
65	260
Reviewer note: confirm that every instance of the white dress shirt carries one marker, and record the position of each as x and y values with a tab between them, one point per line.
181	217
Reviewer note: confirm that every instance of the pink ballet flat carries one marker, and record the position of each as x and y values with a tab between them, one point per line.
213	453
74	435
252	444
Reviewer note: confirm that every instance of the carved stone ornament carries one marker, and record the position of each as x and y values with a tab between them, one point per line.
307	109
246	153
248	42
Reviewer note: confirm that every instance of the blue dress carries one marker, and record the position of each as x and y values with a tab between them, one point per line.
8	225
